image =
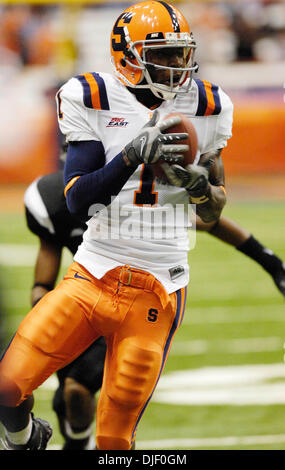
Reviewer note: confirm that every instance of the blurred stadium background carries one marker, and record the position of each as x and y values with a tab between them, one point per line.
224	385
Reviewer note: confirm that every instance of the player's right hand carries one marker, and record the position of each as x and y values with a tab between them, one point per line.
151	145
194	178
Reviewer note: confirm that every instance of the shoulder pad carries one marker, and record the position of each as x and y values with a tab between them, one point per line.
209	102
94	91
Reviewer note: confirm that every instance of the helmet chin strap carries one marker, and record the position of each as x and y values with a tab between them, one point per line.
159	89
159	92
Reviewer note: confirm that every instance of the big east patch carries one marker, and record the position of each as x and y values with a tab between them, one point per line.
117	122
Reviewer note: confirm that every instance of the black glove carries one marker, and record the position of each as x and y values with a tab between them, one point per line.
151	145
194	178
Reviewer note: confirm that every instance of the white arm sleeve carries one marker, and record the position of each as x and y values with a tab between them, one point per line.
218	128
225	122
72	113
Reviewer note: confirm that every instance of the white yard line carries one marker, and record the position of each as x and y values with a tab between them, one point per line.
24	255
242	314
254	384
235	346
192	443
211	442
17	255
218	315
232	346
207	315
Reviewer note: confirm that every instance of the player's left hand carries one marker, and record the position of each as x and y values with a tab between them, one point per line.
194	178
152	145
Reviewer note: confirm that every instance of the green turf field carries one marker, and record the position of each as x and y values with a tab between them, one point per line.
224	383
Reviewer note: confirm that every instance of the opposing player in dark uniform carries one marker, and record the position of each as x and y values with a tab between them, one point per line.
48	218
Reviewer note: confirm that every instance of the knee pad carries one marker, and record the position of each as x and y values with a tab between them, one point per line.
136	373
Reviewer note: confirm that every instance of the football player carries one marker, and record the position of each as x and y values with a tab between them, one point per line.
129	276
48	217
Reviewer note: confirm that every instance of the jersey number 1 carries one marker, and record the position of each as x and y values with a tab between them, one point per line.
59	112
146	194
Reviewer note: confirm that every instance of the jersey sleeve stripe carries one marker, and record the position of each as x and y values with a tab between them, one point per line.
209	101
102	91
218	107
202	98
86	91
70	183
94	91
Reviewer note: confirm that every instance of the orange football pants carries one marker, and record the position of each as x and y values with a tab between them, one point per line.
138	319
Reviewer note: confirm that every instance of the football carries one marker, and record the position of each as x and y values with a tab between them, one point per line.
192	141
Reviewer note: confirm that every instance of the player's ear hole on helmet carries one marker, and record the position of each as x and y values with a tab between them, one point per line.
128	55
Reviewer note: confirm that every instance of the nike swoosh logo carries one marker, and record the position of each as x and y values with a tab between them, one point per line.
81	277
143	141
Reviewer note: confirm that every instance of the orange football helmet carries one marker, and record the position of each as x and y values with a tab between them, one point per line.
152	25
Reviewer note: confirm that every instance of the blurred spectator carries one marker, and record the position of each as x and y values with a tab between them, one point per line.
225	32
42	46
211	24
26	34
238	31
260	29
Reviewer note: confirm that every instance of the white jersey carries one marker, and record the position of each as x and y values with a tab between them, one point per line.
146	225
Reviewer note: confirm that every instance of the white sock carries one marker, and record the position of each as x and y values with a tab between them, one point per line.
20	437
87	433
91	444
78	435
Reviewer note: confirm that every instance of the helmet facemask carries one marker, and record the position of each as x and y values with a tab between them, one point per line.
137	57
